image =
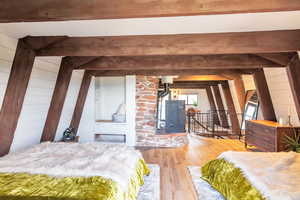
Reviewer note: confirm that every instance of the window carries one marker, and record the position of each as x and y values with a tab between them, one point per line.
190	99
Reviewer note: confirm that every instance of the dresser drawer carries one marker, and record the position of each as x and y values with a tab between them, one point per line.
263	137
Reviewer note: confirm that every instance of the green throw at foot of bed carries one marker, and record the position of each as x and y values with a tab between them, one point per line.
229	181
22	186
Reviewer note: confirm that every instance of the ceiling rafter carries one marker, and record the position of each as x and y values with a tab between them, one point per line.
183	44
57	10
236	61
163	72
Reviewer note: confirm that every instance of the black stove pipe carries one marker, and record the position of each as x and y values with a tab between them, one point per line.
165	92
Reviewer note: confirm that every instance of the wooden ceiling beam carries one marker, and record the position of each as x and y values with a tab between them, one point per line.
177	85
57	10
171	62
164	72
280	58
189	86
37	43
196	82
184	44
76	61
200	78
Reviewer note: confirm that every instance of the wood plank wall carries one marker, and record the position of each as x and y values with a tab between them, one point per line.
38	97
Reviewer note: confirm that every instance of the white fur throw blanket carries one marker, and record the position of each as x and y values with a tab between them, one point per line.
275	175
114	161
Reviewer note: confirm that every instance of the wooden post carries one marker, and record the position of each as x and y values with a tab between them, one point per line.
189	123
212	104
264	95
85	84
231	109
220	105
14	94
293	71
58	100
240	91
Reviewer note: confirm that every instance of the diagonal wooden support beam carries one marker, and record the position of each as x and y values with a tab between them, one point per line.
239	88
293	71
84	88
280	58
57	10
231	108
263	93
240	91
58	99
14	94
220	106
183	44
37	43
212	104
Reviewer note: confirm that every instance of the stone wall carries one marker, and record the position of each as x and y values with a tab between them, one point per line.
146	106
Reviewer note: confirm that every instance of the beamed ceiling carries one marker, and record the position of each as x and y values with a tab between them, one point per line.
173	37
166	37
185	54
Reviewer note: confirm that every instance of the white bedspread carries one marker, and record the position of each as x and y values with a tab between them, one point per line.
275	175
114	161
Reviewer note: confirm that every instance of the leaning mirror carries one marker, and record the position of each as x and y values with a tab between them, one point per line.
251	107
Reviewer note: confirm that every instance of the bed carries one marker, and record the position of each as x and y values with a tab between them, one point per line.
72	171
255	175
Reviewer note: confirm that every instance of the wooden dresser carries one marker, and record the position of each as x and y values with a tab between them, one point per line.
267	135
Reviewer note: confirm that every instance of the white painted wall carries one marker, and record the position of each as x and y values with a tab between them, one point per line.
203	103
38	97
110	94
248	82
87	124
280	91
127	128
281	94
223	97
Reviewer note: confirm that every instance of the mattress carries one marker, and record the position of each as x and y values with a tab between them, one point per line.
69	171
255	175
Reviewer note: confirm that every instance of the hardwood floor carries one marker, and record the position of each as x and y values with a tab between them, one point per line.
176	183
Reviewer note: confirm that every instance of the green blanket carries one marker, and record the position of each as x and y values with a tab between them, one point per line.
23	186
229	181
